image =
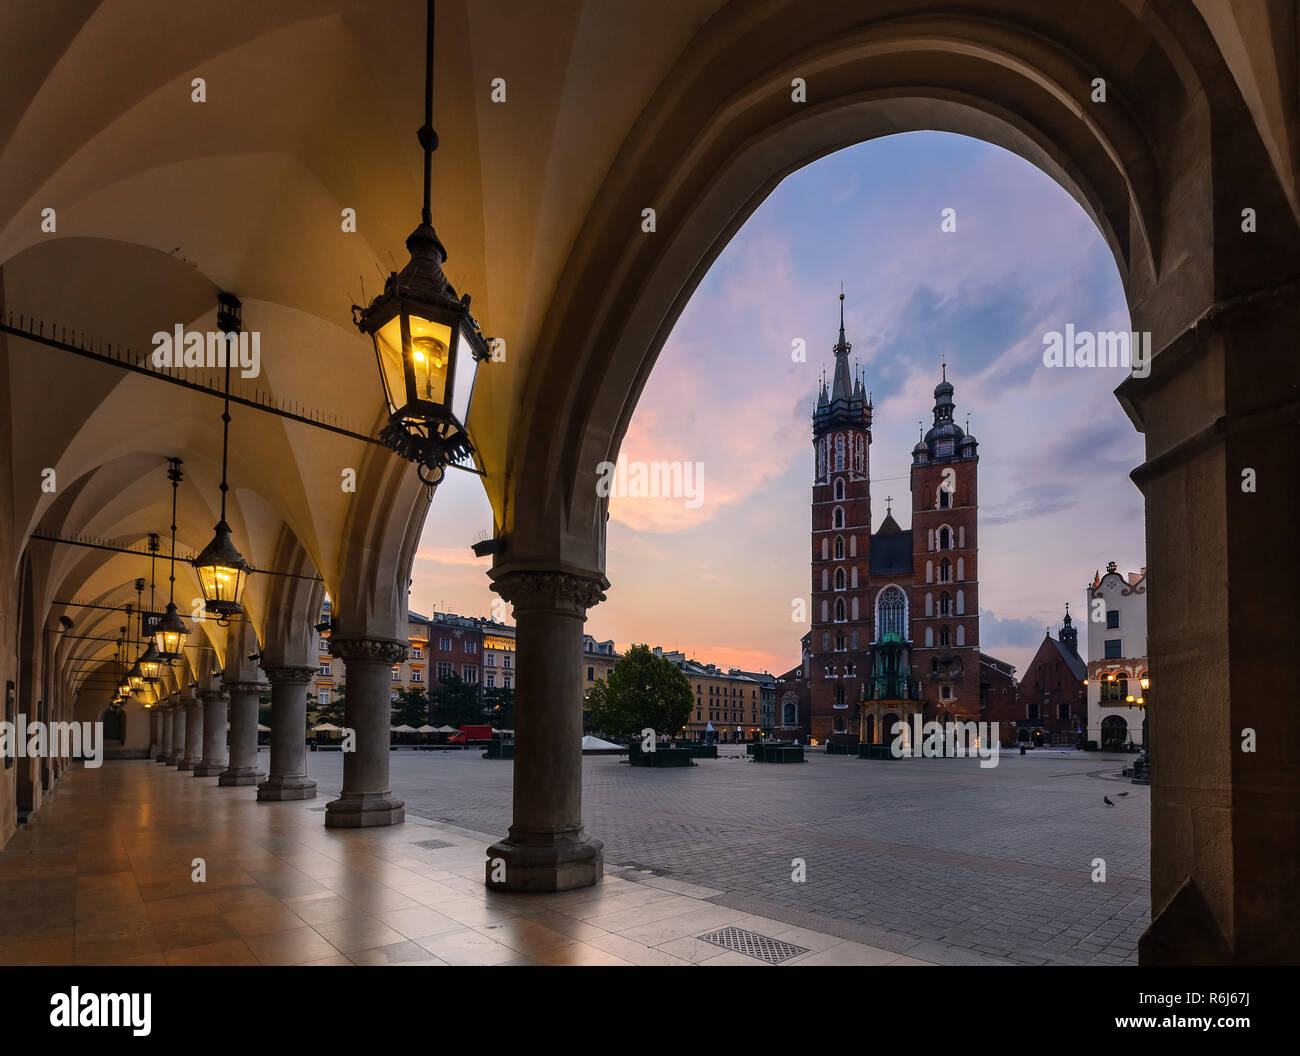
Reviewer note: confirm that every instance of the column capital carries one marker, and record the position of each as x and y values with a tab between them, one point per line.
242	687
206	695
384	650
298	675
566	590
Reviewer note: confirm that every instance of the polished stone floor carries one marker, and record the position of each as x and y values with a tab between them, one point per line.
108	873
938	859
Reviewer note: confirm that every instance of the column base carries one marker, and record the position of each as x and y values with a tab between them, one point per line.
240	778
166	759
284	788
364	810
207	769
185	764
544	863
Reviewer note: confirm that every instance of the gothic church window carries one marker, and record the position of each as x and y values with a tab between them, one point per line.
945	539
839	517
839	488
945	571
839	548
839	453
839	579
890	613
945	636
839	610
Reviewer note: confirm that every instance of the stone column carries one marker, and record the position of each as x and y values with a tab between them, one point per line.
176	747
1220	412
216	705
164	733
366	799
547	848
245	699
288	770
155	729
193	733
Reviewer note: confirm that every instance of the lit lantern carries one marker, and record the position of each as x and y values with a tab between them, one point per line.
222	573
170	634
150	663
427	345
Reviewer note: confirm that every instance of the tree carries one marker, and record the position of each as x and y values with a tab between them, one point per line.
335	711
458	703
500	703
643	691
411	708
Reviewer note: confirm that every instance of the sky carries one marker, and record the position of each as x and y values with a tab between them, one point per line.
718	575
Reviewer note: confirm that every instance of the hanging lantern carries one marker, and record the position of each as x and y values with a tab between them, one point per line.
427	345
135	678
221	569
171	633
222	573
150	663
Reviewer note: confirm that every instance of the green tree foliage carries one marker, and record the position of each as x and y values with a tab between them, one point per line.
458	703
500	704
335	711
411	707
643	691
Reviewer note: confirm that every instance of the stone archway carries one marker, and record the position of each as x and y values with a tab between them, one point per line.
1157	178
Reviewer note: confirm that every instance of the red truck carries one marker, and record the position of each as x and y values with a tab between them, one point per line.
471	735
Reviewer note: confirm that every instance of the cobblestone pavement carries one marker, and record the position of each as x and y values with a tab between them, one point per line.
936	858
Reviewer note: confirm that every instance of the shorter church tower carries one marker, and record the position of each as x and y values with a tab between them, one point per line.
945	591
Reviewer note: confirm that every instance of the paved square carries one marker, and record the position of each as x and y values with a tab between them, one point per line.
934	858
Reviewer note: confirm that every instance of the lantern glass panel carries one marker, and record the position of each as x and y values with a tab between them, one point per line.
220	583
388	349
463	387
430	358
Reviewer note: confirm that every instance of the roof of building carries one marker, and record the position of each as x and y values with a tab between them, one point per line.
891	552
1078	668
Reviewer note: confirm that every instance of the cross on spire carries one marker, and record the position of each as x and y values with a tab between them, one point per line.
889	505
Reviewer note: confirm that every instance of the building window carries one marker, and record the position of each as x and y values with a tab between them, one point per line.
505	660
945	571
1114	648
444	670
945	498
322	697
469	672
839	579
891	608
946	693
444	644
417	652
839	517
324	645
945	539
839	488
839	641
839	548
325	668
945	637
1112	619
470	645
490	659
397	674
491	680
839	610
506	682
591	674
945	604
417	675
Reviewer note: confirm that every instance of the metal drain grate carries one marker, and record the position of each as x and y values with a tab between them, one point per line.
752	944
433	845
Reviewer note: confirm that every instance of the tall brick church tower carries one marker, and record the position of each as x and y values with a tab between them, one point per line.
895	613
841	540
